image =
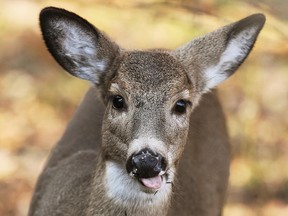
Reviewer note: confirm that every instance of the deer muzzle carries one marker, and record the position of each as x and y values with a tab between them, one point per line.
148	167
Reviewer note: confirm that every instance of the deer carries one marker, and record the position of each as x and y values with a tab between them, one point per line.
150	136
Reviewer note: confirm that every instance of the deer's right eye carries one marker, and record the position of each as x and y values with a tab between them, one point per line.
118	102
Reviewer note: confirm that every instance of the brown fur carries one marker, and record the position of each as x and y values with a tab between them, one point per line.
86	175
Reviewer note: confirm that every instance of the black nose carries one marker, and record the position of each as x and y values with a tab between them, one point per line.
145	164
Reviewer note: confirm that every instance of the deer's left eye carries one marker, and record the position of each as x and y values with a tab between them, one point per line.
180	107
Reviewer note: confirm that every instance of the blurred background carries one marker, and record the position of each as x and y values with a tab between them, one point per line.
37	98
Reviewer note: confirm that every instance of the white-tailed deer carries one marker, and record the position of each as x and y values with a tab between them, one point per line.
149	137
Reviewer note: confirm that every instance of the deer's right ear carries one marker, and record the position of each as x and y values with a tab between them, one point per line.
79	47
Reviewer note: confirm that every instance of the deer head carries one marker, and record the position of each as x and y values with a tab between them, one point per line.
149	95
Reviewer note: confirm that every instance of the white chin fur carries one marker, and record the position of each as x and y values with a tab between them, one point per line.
124	189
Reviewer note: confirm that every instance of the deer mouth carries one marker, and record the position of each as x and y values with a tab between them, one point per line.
154	183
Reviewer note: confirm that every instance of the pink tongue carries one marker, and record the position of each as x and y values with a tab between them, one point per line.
153	183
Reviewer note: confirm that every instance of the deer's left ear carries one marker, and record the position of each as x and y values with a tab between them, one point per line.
217	55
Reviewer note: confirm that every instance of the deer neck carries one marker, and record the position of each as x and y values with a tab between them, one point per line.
117	193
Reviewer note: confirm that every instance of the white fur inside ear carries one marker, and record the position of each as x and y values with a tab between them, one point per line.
80	48
237	49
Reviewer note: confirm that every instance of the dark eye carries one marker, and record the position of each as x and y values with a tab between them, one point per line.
118	102
180	107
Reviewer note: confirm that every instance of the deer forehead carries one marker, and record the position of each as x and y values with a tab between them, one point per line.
145	73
